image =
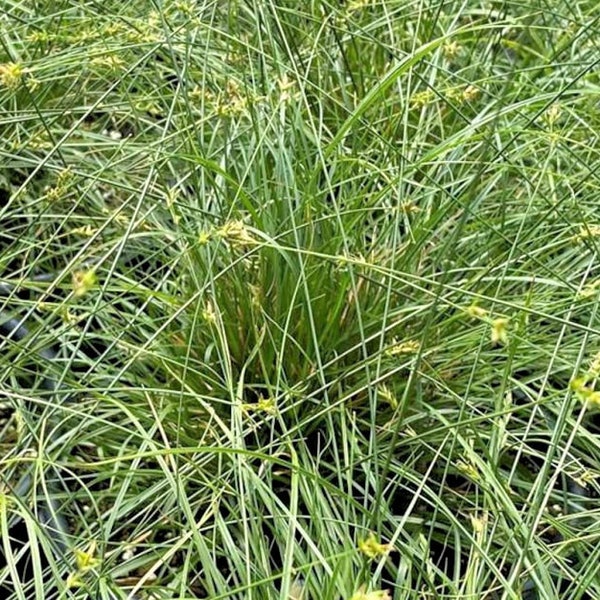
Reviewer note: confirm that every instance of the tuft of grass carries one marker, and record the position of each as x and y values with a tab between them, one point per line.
311	298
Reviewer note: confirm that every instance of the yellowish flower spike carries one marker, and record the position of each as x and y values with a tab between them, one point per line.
468	469
587	231
373	549
476	312
499	332
407	347
451	49
387	396
64	178
204	238
357	5
208	314
86	230
585	392
594	398
285	87
74	581
578	385
265	405
553	113
594	369
421	99
408	207
110	61
470	93
86	559
83	282
590	290
11	75
361	594
236	234
479	523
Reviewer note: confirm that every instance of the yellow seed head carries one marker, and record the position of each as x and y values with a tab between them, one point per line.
11	75
422	99
285	86
553	114
476	312
594	369
468	469
209	314
499	333
361	594
236	234
85	559
451	49
204	238
74	581
110	61
388	396
86	230
585	391
479	523
371	548
590	290
83	282
265	405
587	231
408	207
407	347
470	93
356	5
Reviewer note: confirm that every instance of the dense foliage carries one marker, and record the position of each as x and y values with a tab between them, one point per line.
322	282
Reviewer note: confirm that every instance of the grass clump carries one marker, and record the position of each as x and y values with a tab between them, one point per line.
310	296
